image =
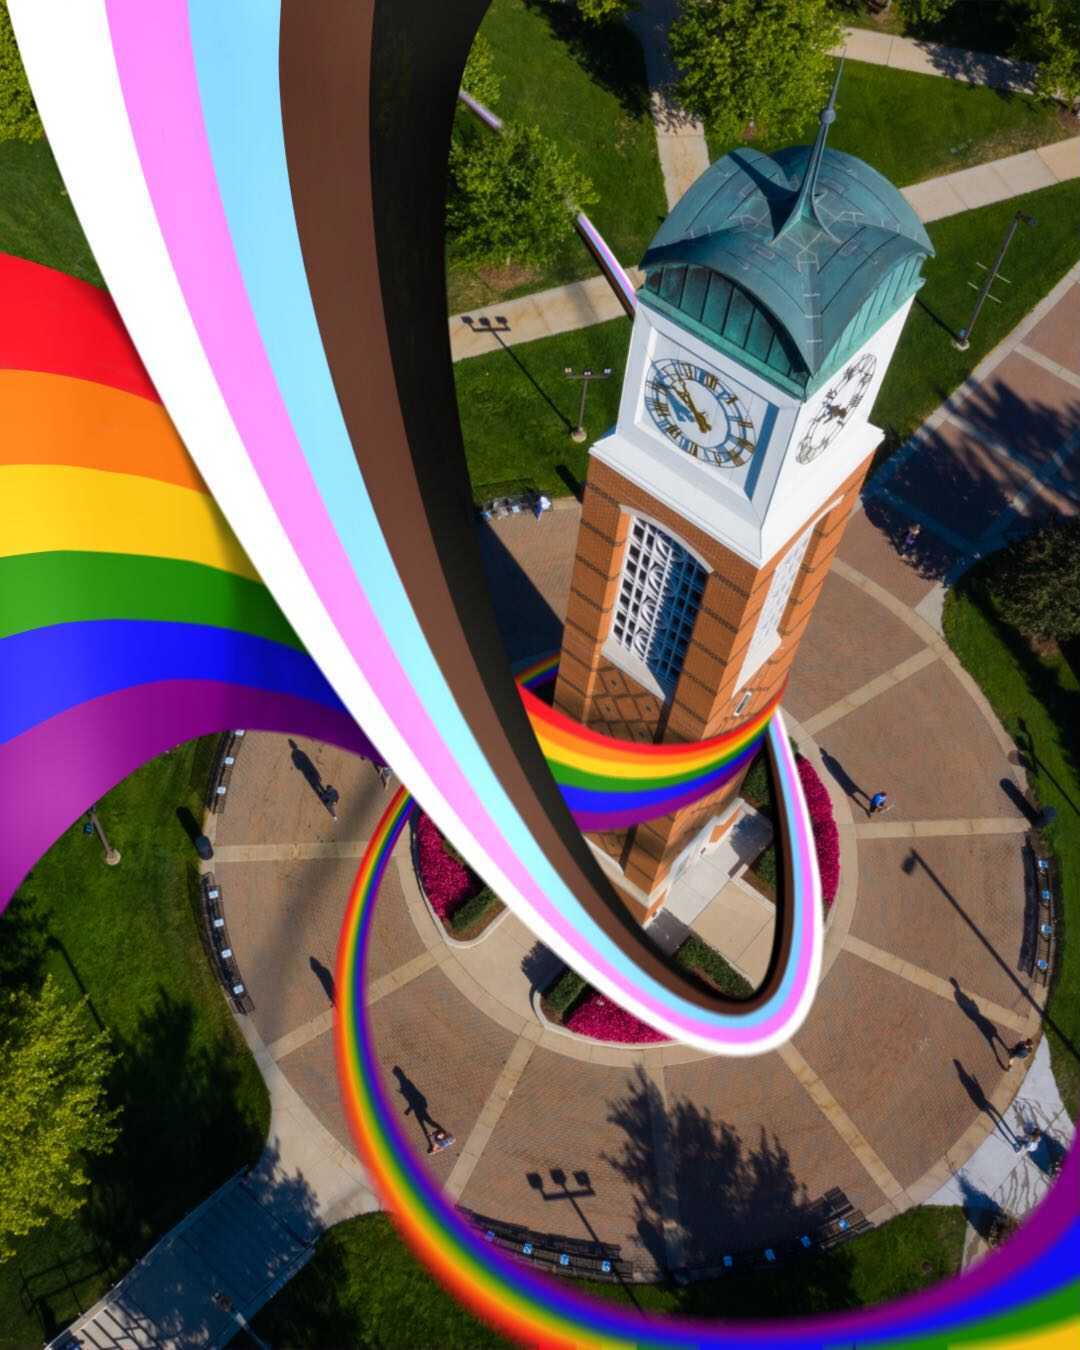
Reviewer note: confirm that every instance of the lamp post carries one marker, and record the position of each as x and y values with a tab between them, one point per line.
962	340
94	826
587	375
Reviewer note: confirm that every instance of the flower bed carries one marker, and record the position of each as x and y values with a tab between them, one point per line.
457	895
823	824
598	1017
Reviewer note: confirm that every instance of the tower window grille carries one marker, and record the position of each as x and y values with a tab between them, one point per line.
658	601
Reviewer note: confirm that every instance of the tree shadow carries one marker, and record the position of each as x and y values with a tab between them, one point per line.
959	480
726	1197
609	53
24	940
185	1127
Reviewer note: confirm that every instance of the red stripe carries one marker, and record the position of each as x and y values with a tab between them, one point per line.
56	324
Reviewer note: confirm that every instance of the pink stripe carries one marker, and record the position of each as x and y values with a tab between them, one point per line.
54	772
157	72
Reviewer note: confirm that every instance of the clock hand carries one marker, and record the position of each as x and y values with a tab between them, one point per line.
699	418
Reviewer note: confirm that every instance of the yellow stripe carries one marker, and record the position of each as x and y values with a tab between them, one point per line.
46	508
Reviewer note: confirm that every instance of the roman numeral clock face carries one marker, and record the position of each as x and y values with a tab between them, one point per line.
696	412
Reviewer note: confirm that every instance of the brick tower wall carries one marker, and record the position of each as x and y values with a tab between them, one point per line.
605	698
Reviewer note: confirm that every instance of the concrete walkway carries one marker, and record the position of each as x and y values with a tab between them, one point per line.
566	308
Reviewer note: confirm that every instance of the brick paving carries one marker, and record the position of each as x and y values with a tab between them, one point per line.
893	1069
1057	335
819	679
886	1049
950	906
925	744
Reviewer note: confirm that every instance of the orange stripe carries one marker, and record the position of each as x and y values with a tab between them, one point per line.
56	419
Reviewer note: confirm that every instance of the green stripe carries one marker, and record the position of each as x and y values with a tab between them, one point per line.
38	590
1041	1314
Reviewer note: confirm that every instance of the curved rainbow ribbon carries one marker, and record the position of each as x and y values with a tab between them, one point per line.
194	140
187	193
130	617
1029	1285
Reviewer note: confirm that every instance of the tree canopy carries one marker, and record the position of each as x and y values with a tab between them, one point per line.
53	1110
749	66
19	120
1035	583
479	78
512	196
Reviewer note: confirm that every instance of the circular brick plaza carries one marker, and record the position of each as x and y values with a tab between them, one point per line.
901	1068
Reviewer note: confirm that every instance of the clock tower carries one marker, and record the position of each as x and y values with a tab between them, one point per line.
774	297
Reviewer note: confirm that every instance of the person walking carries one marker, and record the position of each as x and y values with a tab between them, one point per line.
910	539
879	802
330	798
440	1141
1021	1050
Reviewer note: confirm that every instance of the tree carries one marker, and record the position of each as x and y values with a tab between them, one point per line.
1035	583
1051	38
753	63
511	197
925	12
604	11
53	1110
479	78
19	120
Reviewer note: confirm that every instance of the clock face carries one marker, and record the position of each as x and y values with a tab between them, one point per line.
840	401
697	413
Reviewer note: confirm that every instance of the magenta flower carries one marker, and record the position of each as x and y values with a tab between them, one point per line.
447	883
823	825
598	1017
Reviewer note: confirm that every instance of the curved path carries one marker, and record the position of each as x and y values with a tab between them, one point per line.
894	1081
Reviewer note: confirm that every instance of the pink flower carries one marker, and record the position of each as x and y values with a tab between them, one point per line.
597	1016
823	825
447	883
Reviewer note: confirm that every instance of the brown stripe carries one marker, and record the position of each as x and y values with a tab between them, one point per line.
368	90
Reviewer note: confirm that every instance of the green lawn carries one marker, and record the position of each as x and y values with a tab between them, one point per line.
364	1288
518	408
37	220
1037	698
195	1108
912	127
587	92
927	368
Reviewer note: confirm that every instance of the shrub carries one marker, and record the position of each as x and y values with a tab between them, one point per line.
694	954
471	911
512	197
19	120
566	989
597	1016
1035	583
479	78
823	825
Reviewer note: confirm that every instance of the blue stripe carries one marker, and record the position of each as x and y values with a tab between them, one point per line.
49	670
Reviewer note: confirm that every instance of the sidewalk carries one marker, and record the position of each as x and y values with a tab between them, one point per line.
566	308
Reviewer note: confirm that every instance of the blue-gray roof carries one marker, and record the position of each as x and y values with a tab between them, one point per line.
808	259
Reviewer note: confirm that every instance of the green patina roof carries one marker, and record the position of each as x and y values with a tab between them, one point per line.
805	236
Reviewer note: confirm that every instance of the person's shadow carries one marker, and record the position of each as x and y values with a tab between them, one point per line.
416	1104
307	767
971	1010
324	976
983	1103
843	778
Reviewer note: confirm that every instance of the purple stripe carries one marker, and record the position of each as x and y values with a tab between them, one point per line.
51	774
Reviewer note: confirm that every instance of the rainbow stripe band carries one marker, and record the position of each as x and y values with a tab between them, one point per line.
1036	1270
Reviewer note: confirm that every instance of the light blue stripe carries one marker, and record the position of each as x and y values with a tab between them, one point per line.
236	56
